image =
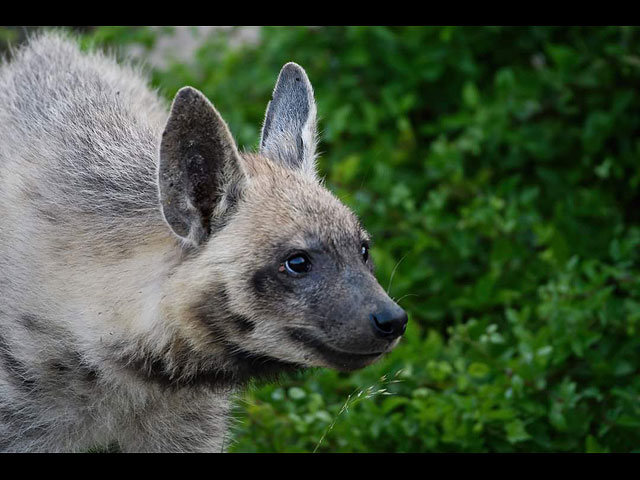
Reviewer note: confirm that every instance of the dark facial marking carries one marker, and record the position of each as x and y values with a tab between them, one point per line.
247	365
235	368
261	280
215	312
268	281
341	360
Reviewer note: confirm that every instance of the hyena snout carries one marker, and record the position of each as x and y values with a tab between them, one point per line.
389	322
365	319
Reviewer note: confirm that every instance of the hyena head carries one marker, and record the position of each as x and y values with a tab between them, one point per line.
281	269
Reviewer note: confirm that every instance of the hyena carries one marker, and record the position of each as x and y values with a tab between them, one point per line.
149	269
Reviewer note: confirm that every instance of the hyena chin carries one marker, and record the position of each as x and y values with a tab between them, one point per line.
148	268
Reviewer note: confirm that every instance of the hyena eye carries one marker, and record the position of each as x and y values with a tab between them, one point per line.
298	264
364	251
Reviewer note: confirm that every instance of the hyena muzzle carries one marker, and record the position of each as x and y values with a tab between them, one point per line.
148	268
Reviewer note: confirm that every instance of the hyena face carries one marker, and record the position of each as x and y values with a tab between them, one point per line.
284	266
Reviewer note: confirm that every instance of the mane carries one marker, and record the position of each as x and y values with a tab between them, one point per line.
86	129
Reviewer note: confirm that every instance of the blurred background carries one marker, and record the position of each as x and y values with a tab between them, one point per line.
498	170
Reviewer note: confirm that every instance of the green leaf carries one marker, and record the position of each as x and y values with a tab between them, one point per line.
516	432
478	370
296	393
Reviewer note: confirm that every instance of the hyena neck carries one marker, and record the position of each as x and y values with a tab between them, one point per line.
177	365
190	339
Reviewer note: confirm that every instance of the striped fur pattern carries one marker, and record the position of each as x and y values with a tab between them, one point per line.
143	259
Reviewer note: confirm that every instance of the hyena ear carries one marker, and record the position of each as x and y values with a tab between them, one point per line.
289	130
198	160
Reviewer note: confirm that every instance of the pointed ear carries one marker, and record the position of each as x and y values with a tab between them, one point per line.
198	159
289	130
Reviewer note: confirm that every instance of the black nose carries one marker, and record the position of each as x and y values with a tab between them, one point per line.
389	323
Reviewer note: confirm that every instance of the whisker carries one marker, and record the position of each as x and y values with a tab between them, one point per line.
394	272
407	295
364	177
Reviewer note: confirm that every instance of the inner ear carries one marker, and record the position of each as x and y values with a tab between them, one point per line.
198	159
289	130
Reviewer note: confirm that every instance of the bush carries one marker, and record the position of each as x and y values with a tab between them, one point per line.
497	169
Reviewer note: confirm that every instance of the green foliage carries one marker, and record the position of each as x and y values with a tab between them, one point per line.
498	171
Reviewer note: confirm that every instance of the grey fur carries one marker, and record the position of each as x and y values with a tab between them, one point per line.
138	295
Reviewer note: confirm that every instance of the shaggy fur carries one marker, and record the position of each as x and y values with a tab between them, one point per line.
142	257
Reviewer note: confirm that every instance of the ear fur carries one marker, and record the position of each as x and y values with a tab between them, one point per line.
198	157
289	129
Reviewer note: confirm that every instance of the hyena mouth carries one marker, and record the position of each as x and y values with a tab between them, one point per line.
337	358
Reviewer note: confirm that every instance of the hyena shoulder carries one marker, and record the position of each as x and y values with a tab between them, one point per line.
79	131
